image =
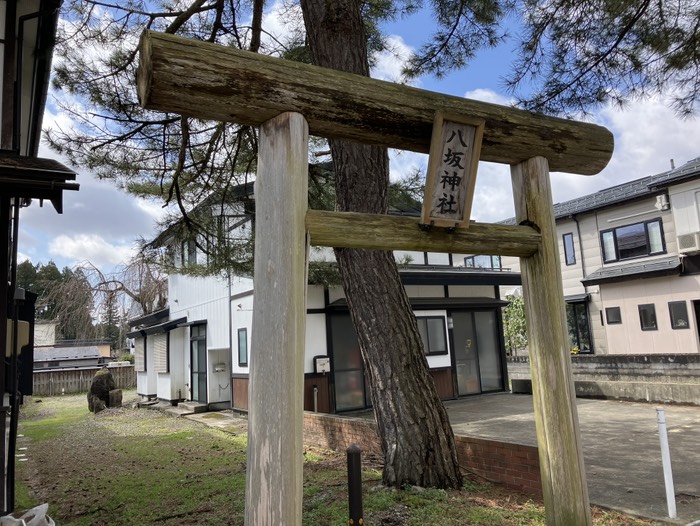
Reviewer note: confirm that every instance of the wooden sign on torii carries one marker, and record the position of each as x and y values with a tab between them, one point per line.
288	100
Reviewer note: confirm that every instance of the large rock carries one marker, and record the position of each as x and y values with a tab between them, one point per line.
115	398
98	394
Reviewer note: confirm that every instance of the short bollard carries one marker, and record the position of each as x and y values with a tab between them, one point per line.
666	462
355	485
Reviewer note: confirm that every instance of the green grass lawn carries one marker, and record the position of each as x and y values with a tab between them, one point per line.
139	467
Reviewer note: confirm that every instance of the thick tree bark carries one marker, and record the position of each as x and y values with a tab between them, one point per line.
416	436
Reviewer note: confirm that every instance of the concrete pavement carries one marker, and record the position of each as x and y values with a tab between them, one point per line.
620	447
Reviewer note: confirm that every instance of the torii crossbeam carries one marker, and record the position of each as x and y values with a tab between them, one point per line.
288	100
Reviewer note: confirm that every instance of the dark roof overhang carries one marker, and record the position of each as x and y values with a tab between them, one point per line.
158	329
668	266
35	178
457	276
577	298
438	303
150	319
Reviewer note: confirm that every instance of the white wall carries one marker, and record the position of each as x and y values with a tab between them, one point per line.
629	338
685	203
177	379
219	382
241	318
315	340
151	380
472	291
202	298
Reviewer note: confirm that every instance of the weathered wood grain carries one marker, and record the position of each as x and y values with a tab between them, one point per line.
209	81
382	232
558	438
275	435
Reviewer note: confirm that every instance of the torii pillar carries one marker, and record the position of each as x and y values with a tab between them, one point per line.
274	473
558	439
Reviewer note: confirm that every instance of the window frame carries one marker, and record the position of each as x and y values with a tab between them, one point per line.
496	262
608	319
140	356
426	349
674	319
569	252
576	333
243	332
158	365
645	307
188	251
615	244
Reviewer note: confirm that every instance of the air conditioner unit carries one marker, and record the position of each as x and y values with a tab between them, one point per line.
689	243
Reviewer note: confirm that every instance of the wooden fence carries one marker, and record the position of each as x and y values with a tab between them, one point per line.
49	383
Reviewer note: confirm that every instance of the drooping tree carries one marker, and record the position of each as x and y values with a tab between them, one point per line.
77	297
72	304
581	53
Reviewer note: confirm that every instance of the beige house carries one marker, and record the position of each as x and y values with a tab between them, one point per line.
630	260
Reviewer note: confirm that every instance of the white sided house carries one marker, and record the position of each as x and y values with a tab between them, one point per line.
630	262
199	349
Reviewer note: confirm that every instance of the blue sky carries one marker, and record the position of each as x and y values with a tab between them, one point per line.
101	223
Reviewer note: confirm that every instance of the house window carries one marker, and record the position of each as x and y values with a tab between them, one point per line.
679	314
161	352
483	262
140	355
613	315
569	253
243	347
433	333
633	241
647	317
189	252
579	328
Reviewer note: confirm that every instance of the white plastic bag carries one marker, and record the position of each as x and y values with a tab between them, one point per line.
37	517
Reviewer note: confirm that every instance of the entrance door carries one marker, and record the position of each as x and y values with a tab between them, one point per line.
348	371
198	361
477	352
466	356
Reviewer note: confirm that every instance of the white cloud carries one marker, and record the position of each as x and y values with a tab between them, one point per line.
493	196
487	95
280	24
90	247
389	63
647	136
404	162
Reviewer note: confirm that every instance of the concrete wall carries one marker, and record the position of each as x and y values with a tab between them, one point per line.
673	378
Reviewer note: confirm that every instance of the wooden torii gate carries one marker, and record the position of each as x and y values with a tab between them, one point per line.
288	100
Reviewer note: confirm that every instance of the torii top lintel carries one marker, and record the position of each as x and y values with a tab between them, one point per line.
210	81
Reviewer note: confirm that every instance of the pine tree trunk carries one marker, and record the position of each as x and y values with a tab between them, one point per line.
416	436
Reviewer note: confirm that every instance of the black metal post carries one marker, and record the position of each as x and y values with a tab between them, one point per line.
355	485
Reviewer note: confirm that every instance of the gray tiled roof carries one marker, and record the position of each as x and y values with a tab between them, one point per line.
52	354
657	267
628	191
